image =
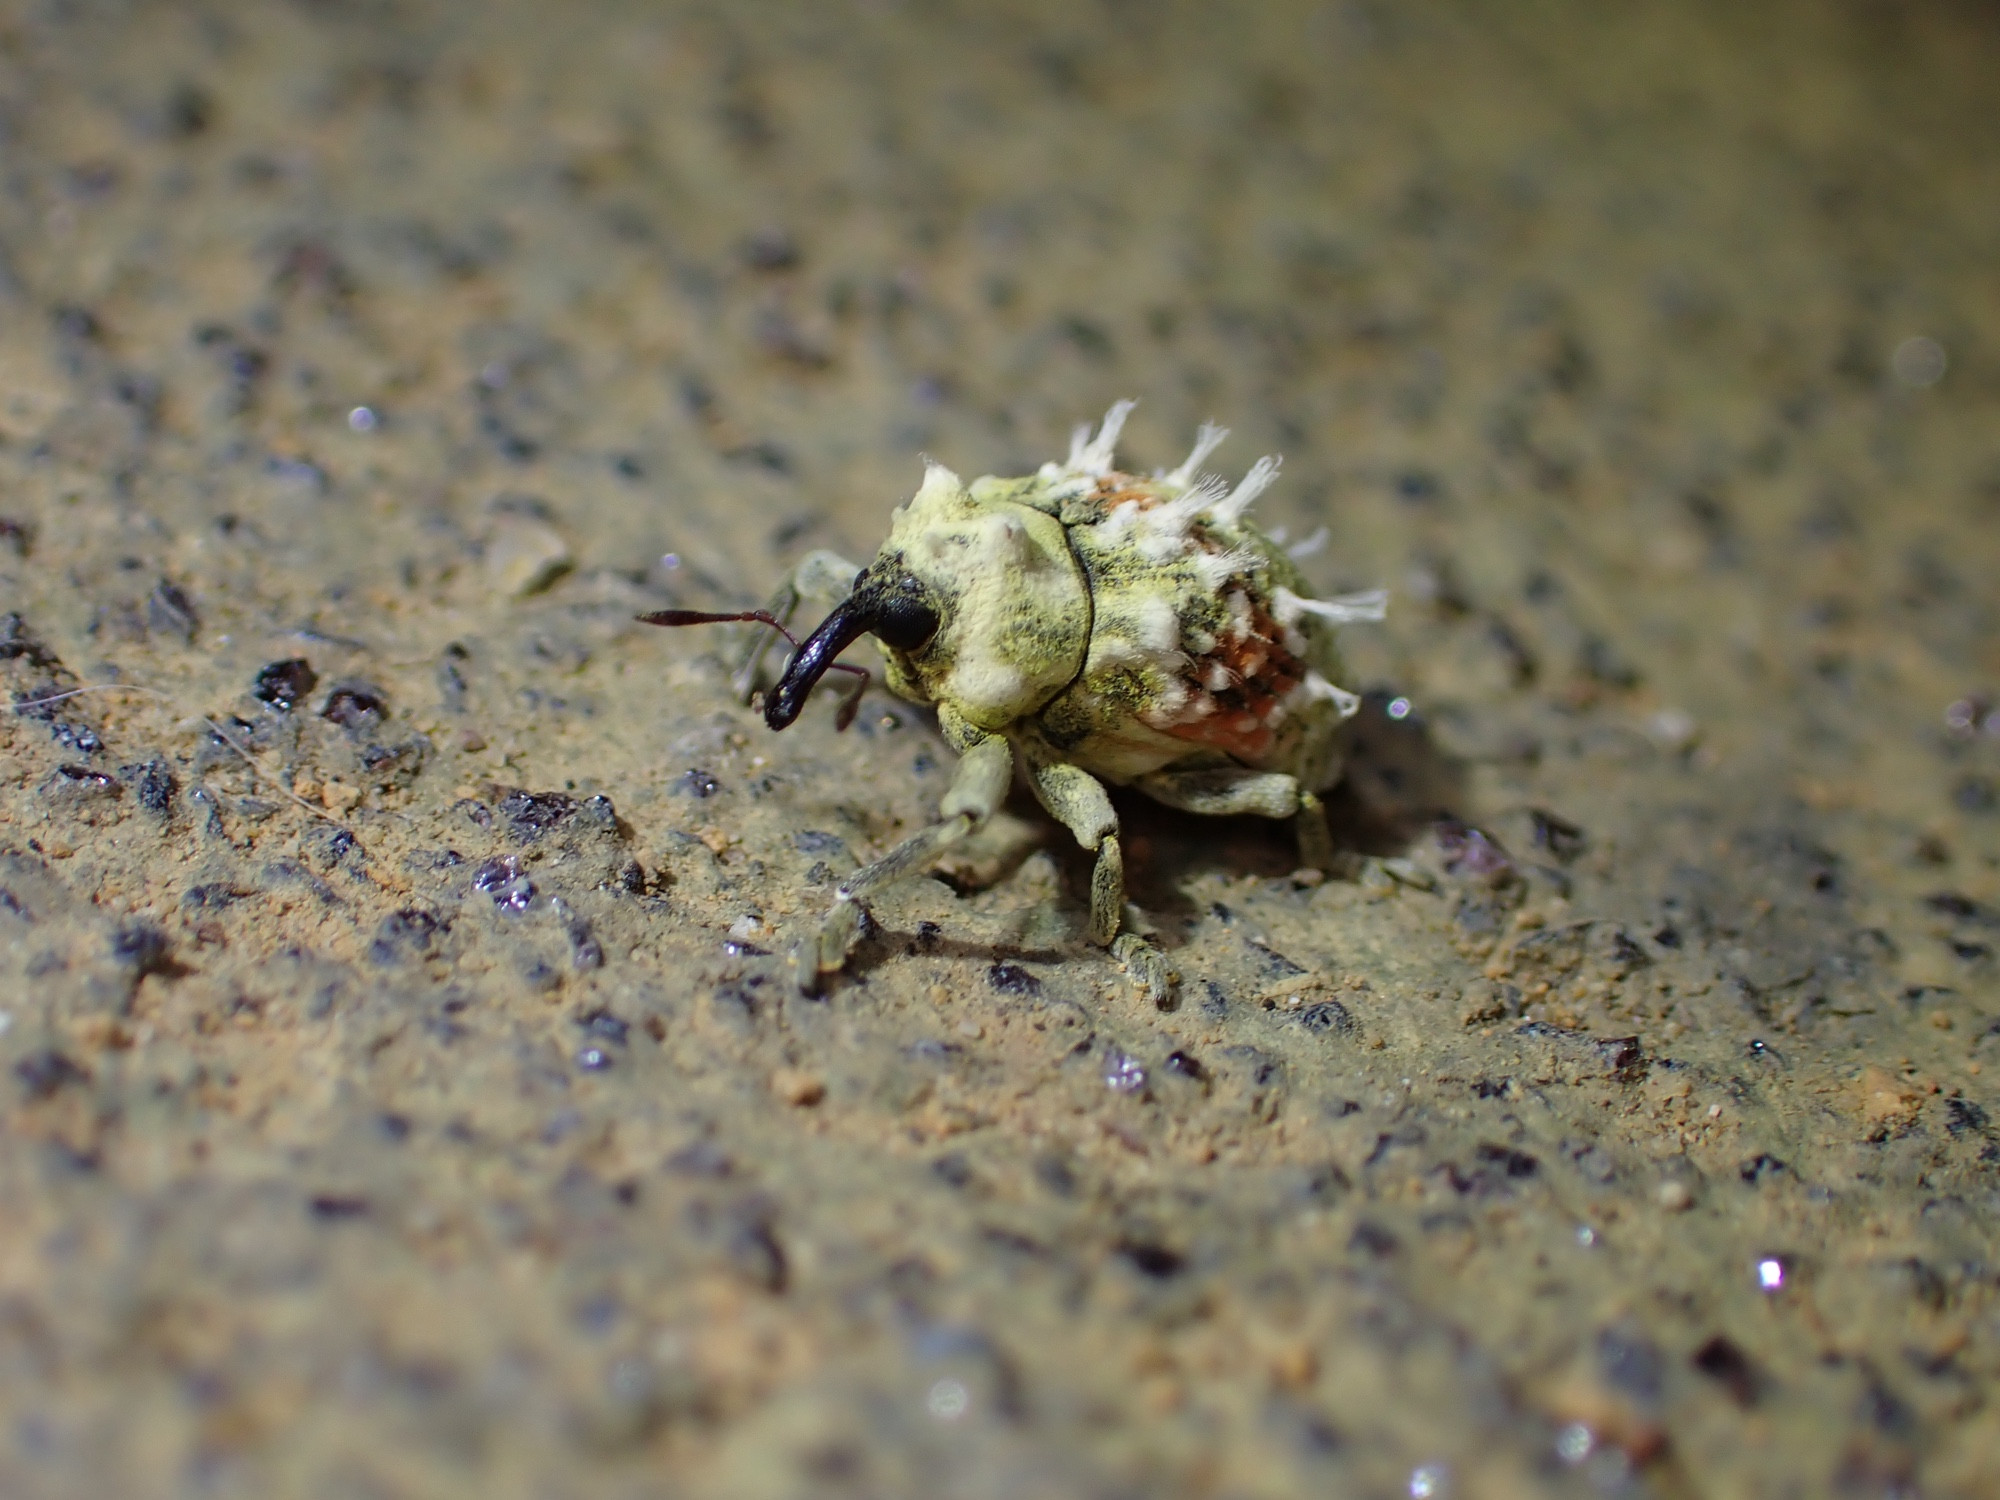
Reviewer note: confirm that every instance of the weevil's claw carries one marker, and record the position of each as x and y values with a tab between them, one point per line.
1148	965
825	950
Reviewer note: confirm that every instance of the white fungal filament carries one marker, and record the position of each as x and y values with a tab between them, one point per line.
1369	604
1253	484
1206	441
1312	544
1094	455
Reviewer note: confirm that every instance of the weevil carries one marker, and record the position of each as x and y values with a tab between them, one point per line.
1093	627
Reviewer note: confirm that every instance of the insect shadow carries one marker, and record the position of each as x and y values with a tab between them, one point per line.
1398	782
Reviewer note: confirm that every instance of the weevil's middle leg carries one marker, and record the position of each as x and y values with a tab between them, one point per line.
1223	791
1079	802
985	770
820	577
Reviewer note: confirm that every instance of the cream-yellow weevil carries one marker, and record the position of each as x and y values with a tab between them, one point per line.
1095	626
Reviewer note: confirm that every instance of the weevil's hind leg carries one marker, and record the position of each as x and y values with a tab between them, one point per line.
819	578
985	770
1078	801
1225	791
1315	841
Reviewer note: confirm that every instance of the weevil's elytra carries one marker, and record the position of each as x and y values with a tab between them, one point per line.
1094	626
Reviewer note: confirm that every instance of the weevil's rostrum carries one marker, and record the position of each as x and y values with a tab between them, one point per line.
1100	627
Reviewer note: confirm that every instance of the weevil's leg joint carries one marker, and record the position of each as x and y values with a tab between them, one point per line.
977	790
1079	802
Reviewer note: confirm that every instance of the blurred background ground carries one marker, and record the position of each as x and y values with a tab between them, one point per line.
402	1095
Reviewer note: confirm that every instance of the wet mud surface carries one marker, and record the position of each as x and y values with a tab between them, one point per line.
401	1092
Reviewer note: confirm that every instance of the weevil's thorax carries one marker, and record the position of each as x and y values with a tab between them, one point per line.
1012	604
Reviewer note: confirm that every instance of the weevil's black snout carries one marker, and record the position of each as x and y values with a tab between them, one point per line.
892	609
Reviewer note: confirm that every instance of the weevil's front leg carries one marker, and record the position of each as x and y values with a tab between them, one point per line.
1079	802
1226	791
985	770
820	578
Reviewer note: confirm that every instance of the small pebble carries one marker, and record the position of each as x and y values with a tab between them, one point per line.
1674	1196
525	557
798	1088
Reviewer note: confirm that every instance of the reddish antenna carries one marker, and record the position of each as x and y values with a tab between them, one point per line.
849	706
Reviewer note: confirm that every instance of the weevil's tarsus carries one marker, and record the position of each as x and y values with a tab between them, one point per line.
1148	966
985	770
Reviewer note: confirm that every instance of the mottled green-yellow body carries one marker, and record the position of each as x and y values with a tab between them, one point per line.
1098	626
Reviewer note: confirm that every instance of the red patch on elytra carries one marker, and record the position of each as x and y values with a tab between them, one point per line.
1113	490
1241	720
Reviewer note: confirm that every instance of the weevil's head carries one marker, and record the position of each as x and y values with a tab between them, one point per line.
978	605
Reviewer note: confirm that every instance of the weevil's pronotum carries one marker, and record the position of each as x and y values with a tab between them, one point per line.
1096	626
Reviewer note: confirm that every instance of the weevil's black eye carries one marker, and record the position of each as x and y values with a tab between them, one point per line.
903	622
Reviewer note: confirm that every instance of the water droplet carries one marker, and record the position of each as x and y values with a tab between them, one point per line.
1586	1236
1401	708
362	419
1427	1481
947	1400
1574	1442
1124	1074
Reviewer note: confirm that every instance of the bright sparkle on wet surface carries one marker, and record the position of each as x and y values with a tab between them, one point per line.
947	1400
1586	1236
1574	1442
1427	1481
1400	708
1770	1273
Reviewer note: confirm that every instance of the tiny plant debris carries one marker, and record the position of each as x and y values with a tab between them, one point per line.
1097	626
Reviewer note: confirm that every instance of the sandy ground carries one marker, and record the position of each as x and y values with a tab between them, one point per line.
402	1092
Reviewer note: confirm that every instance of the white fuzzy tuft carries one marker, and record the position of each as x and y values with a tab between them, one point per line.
1316	686
1371	604
1175	516
1312	544
1254	484
1206	441
1094	455
939	484
1240	622
1214	569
